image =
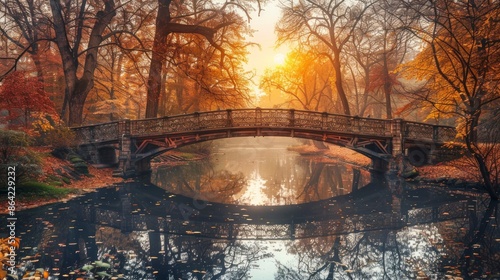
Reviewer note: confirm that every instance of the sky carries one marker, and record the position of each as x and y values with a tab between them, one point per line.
264	35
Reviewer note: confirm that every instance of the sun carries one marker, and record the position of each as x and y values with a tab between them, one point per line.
279	59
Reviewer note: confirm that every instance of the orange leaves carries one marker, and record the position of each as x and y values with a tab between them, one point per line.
5	251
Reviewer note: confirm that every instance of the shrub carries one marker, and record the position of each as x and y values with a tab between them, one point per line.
12	144
59	137
14	152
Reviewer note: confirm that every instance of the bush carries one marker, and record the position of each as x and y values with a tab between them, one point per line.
12	144
59	137
14	152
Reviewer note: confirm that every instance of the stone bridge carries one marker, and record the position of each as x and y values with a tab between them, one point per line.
131	144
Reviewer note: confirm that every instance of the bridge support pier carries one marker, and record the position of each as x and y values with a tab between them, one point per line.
124	160
128	166
396	164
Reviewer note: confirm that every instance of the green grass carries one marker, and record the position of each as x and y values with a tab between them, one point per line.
188	156
32	189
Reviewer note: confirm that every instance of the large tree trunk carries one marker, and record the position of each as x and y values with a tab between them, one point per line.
158	58
77	90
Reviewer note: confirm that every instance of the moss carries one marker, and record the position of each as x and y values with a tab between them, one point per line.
55	183
33	189
188	156
53	178
81	167
75	160
66	180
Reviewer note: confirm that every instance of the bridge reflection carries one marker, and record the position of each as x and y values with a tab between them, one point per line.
136	207
155	230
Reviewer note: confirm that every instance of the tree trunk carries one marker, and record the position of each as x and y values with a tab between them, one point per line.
39	67
387	90
157	58
471	141
77	89
338	84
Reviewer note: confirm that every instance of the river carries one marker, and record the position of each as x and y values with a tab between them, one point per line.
255	210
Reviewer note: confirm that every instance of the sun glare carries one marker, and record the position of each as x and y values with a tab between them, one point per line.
279	59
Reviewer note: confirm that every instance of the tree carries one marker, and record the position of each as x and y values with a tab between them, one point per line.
379	44
23	96
25	26
460	64
171	18
197	77
321	22
304	79
79	77
119	79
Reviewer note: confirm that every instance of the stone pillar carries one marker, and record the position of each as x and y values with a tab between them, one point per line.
124	159
397	146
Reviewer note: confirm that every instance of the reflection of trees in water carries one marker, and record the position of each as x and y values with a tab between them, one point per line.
325	180
368	255
430	250
481	256
287	178
199	179
192	258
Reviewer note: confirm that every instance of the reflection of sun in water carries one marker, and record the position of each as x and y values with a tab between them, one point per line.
279	59
254	192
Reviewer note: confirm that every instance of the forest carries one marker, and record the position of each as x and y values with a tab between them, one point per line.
70	63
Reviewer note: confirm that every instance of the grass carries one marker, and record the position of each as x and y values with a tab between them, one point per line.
40	190
189	156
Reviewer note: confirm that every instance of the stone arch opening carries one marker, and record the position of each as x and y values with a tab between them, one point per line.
107	155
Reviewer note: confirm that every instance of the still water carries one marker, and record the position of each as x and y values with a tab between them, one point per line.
249	212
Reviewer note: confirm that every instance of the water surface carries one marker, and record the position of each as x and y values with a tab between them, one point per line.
264	213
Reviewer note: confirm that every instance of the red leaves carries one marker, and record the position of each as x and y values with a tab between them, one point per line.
22	96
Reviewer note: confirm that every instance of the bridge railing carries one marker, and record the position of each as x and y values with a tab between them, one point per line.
428	132
242	118
98	133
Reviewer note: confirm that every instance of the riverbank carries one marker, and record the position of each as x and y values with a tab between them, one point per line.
59	181
459	172
63	181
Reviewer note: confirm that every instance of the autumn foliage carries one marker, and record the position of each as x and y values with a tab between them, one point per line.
24	99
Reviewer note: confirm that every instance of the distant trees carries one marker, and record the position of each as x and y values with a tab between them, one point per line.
328	24
304	80
198	76
364	42
26	27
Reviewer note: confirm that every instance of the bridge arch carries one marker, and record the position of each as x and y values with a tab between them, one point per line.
381	140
